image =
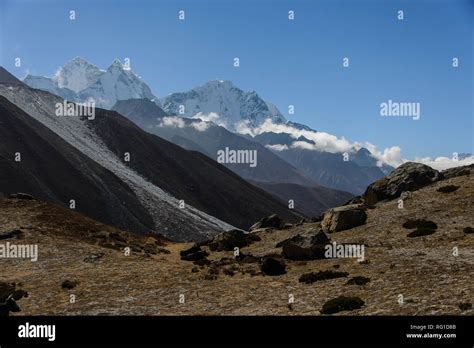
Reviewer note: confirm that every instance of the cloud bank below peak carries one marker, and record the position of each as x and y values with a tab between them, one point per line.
321	141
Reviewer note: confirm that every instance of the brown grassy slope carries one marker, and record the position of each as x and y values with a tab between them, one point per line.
423	270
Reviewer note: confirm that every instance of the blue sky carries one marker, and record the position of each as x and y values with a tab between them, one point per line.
287	62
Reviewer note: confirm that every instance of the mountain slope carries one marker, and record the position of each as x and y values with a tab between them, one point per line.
53	170
311	201
190	176
142	112
330	170
8	79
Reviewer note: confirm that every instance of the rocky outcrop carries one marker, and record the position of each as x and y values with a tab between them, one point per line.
229	240
409	176
457	171
94	257
343	218
307	246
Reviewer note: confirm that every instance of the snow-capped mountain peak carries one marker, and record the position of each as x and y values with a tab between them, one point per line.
77	75
80	81
116	65
228	104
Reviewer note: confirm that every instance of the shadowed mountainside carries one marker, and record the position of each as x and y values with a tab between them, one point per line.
53	170
311	201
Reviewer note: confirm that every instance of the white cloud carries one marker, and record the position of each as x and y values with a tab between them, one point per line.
210	117
178	122
442	163
201	126
277	147
303	145
172	121
391	155
323	141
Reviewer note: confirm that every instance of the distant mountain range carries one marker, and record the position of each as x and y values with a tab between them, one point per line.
217	115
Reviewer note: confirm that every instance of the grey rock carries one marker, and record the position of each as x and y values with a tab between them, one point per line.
229	240
457	171
307	246
343	218
409	176
94	257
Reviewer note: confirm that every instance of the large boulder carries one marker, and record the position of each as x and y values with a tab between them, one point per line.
229	240
307	246
343	218
9	294
342	303
272	221
272	267
410	176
